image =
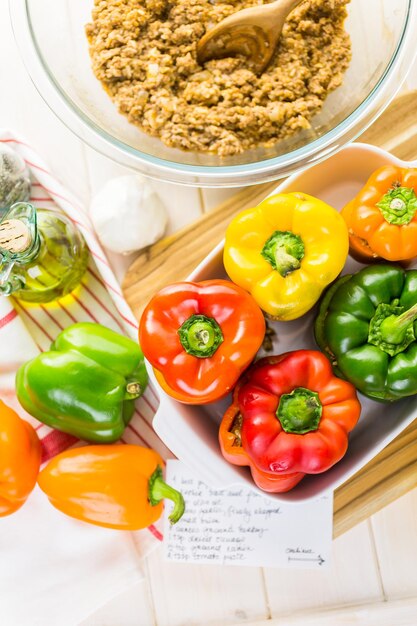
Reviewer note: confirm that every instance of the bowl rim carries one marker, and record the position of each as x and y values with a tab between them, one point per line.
100	140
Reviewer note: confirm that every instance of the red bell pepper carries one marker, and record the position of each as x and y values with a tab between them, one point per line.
200	337
290	417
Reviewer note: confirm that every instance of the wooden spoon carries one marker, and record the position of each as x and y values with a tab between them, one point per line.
253	32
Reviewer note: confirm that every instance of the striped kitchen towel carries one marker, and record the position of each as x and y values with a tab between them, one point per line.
26	329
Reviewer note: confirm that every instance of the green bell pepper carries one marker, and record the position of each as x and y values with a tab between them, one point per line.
86	384
367	327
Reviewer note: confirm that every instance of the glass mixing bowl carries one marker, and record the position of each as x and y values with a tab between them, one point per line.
50	35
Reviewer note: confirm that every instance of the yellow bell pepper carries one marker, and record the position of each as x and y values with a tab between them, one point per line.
285	252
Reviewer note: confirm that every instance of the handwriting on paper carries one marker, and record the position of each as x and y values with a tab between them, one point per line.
237	526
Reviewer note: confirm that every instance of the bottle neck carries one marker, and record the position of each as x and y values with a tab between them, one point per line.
19	239
32	252
19	246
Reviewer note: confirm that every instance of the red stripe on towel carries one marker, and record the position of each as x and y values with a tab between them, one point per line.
54	443
8	318
155	532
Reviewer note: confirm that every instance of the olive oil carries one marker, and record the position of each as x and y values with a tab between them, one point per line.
42	255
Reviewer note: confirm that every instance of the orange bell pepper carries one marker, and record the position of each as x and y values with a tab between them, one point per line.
382	218
118	486
20	459
200	337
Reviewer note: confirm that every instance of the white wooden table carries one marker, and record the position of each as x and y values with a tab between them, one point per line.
373	577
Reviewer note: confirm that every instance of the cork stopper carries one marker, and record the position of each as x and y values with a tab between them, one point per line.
14	236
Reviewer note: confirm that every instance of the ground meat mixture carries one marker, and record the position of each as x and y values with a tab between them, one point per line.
144	53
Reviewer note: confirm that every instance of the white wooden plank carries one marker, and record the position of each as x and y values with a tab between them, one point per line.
411	81
197	594
400	613
395	532
214	197
131	608
183	204
295	590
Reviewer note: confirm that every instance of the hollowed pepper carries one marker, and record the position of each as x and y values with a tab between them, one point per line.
382	218
20	459
367	326
285	252
290	417
200	337
118	486
86	384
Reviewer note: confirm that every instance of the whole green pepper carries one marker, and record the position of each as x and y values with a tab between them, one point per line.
86	384
367	326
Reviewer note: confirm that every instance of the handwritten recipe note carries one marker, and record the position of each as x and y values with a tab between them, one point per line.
236	526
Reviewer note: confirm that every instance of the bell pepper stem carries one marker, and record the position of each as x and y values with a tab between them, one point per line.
398	205
133	390
236	429
200	336
299	412
158	490
393	328
284	251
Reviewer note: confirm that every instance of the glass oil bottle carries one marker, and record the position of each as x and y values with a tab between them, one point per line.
42	255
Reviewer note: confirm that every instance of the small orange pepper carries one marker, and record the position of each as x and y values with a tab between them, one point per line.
20	459
382	218
118	486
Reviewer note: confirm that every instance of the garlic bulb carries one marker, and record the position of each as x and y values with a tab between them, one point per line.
128	214
14	178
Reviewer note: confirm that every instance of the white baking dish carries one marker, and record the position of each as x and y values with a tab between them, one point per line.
191	431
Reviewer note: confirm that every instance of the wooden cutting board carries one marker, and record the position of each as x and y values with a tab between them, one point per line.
394	471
